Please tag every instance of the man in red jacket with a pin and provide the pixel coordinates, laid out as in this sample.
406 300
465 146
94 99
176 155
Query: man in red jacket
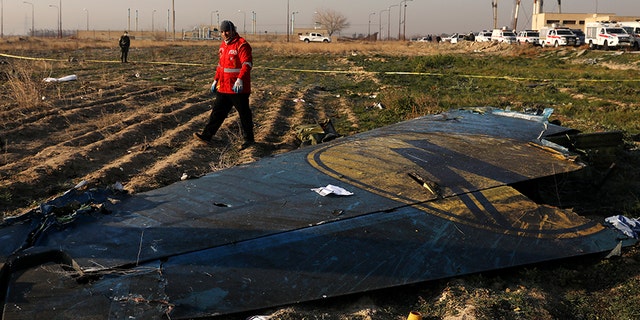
231 85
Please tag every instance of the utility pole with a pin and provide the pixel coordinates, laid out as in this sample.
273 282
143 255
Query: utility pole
515 15
401 21
87 12
369 32
380 23
1 19
253 22
60 19
33 30
173 8
494 5
389 22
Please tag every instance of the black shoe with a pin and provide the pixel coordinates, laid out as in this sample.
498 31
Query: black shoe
246 144
212 140
201 137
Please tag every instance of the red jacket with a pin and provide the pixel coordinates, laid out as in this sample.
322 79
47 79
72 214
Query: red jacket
236 61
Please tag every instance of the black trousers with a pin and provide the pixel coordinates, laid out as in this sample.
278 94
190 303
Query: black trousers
124 54
221 108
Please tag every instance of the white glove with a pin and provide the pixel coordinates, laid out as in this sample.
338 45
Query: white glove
237 87
214 86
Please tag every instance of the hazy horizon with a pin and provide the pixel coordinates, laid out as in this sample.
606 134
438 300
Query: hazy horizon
422 16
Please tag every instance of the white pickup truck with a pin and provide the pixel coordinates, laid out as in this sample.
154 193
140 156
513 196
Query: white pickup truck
314 37
558 36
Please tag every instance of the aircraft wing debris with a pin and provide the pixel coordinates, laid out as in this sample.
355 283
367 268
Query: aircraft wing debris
434 197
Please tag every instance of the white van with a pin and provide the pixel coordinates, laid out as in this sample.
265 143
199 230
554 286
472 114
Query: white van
607 35
503 35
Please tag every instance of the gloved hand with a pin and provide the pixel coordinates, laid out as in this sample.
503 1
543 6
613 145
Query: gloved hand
237 87
214 86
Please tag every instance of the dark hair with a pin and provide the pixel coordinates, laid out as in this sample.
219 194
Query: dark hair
227 25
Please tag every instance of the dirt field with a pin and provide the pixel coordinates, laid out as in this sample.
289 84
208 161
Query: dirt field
133 123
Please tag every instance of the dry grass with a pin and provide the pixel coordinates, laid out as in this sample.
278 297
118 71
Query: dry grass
388 48
112 126
25 86
38 44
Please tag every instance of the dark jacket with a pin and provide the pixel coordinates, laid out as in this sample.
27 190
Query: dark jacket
124 42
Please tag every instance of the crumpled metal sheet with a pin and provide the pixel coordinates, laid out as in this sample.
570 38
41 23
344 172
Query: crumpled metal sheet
433 198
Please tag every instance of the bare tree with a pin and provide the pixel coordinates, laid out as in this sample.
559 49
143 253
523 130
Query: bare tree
331 20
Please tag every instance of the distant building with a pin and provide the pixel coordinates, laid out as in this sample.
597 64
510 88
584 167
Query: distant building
574 20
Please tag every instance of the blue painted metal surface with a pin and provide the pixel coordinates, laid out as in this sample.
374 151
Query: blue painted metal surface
433 198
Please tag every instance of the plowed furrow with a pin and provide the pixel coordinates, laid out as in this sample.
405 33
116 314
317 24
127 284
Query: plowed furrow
87 126
278 116
88 156
59 118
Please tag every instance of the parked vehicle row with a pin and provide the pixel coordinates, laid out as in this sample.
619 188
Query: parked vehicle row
597 35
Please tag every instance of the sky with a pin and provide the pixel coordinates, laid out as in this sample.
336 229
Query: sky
422 16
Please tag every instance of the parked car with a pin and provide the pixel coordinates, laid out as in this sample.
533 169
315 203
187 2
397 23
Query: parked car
503 35
454 38
314 37
528 37
483 36
558 36
580 34
634 32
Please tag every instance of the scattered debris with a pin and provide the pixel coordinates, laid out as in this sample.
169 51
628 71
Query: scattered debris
72 77
581 52
118 186
377 105
431 186
259 318
629 226
331 189
311 134
414 315
615 252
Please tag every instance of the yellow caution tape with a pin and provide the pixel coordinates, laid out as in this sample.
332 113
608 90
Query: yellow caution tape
430 74
100 61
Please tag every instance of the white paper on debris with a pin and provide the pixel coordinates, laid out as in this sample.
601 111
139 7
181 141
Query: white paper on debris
259 318
331 189
629 226
72 77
